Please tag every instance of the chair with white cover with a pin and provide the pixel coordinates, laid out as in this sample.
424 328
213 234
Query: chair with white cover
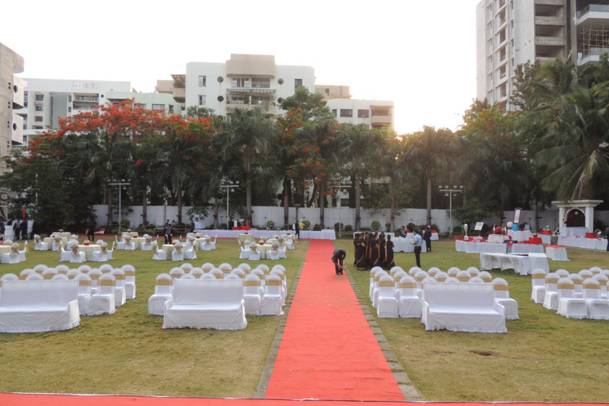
39 244
578 281
485 276
189 251
239 272
34 277
441 277
75 255
84 269
101 255
120 294
103 300
585 273
216 304
49 273
473 272
254 254
62 269
289 243
178 252
57 243
386 302
463 276
130 288
186 267
159 255
106 268
126 243
550 300
15 255
433 271
207 267
39 268
273 253
602 279
244 251
162 293
38 306
246 267
272 299
462 307
9 277
176 273
562 273
538 285
212 243
25 273
598 308
282 251
95 274
375 287
568 305
149 243
225 267
502 297
217 273
372 273
84 293
453 272
409 304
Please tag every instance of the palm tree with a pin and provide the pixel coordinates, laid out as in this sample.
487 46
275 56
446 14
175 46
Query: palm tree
250 132
429 151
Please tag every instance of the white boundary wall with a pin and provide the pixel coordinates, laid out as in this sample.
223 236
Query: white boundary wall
344 215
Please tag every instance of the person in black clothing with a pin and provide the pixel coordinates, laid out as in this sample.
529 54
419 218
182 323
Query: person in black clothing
427 238
167 232
337 259
91 230
23 227
297 229
16 230
380 261
389 263
2 227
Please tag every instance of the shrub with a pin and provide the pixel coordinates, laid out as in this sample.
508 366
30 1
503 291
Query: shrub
306 224
411 227
375 225
338 226
348 227
270 224
317 227
434 227
457 230
388 227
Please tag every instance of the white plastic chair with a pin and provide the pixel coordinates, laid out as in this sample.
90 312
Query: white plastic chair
538 285
550 300
409 304
502 297
271 300
568 305
387 304
103 300
162 293
598 308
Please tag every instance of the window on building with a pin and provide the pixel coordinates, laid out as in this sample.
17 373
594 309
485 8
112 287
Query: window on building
346 113
139 105
39 97
202 80
171 108
297 83
380 112
334 111
159 107
38 107
361 113
25 97
38 119
202 100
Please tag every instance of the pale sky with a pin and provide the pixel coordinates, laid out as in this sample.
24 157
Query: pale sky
420 54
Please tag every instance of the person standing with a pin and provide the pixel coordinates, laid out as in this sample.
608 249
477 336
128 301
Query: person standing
16 230
427 238
91 229
337 258
389 263
297 229
23 227
167 232
418 241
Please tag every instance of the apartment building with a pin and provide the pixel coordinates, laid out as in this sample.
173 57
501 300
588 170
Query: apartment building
242 82
515 32
373 113
11 101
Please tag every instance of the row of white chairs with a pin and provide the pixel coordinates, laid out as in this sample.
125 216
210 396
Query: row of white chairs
72 253
264 288
180 252
580 295
252 253
400 293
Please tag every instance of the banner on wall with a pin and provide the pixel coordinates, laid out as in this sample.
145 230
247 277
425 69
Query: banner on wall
479 226
517 216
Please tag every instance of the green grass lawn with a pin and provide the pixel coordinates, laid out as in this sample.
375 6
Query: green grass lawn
129 353
543 357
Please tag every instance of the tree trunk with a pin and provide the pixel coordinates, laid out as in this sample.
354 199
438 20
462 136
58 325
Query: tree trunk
358 188
286 202
179 204
429 200
392 208
248 199
322 202
145 207
217 215
110 205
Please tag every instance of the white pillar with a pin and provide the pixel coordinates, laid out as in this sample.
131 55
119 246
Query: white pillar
562 227
589 212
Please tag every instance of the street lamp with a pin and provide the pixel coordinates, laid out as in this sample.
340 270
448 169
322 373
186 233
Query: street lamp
229 186
448 191
120 184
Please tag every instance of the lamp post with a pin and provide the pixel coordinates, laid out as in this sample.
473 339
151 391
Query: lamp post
120 184
448 191
229 186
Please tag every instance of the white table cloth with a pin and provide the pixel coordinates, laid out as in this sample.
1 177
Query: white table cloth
476 246
599 244
406 244
527 248
557 253
520 235
5 249
304 234
521 264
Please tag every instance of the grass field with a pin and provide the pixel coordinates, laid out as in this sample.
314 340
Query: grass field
129 353
543 357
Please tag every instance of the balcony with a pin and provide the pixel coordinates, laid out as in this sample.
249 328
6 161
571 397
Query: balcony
591 55
17 129
250 90
549 41
550 20
18 95
593 15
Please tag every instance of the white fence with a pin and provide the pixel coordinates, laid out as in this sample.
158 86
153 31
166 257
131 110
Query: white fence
261 214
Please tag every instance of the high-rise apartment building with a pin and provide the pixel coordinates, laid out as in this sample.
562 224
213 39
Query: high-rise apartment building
515 32
11 101
373 113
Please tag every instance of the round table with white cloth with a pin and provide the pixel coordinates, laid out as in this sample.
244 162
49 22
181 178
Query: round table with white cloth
527 248
168 248
522 264
5 249
406 244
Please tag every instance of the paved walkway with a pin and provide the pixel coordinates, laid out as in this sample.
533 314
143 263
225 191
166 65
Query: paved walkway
328 350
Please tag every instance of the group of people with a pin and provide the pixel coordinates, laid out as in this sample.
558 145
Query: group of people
22 229
373 249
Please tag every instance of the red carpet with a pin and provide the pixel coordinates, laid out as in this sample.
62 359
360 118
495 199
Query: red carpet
328 350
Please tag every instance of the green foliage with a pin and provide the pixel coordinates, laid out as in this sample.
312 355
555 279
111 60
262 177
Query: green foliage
270 225
375 225
306 224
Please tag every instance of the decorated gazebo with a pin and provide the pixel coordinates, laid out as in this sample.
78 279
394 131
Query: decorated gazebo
576 217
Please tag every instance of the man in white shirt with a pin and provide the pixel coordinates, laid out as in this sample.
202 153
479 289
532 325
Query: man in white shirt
418 241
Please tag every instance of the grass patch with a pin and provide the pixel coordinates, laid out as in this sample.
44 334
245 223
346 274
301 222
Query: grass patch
543 357
129 353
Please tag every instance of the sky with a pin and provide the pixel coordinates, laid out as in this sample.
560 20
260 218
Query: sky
420 54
